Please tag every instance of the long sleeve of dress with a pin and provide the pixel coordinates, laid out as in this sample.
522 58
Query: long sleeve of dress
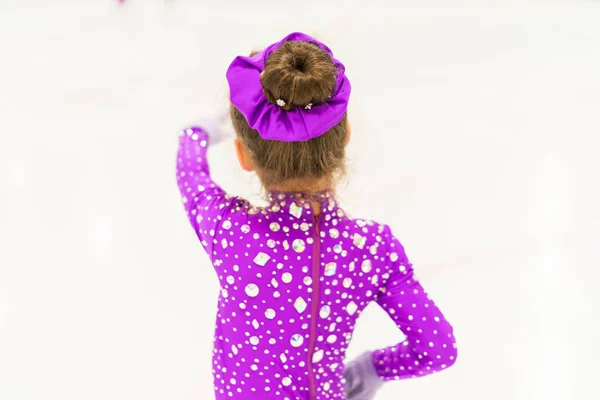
430 345
204 201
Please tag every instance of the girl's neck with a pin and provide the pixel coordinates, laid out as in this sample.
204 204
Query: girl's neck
307 186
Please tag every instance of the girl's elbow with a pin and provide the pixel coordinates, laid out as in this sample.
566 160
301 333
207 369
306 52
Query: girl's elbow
445 359
451 350
450 357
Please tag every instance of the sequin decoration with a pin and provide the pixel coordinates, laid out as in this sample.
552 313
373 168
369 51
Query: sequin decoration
394 257
330 269
297 340
245 229
334 233
337 248
254 340
255 324
300 305
296 210
261 259
298 245
331 339
325 311
286 381
307 280
351 308
347 282
252 290
304 226
366 266
275 227
270 313
227 224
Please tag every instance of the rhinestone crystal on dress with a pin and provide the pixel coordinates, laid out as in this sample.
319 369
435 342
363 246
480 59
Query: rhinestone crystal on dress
297 340
317 356
298 245
295 210
286 277
300 305
261 259
359 240
330 269
366 266
351 308
252 290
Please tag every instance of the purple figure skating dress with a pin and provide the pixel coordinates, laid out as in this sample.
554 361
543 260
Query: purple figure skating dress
293 283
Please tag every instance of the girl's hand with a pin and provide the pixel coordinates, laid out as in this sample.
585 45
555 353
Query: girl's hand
218 128
362 381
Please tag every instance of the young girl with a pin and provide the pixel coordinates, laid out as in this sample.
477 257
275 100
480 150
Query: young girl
296 274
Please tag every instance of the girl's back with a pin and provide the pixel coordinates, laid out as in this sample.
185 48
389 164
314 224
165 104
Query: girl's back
295 275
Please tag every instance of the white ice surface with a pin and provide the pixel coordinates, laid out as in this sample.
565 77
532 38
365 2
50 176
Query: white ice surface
476 135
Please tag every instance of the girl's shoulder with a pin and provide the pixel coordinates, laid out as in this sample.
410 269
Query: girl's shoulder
370 235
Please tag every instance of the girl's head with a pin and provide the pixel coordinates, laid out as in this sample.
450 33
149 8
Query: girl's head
297 75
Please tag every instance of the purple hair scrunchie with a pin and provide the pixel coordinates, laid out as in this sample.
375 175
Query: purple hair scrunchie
271 121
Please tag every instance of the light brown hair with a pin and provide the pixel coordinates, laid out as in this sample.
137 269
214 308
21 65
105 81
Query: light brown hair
298 73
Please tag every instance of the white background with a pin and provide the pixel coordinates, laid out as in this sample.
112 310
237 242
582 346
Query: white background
475 136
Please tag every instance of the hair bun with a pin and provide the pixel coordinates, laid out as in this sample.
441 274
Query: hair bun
298 74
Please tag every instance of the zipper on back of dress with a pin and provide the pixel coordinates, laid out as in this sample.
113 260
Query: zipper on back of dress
316 266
